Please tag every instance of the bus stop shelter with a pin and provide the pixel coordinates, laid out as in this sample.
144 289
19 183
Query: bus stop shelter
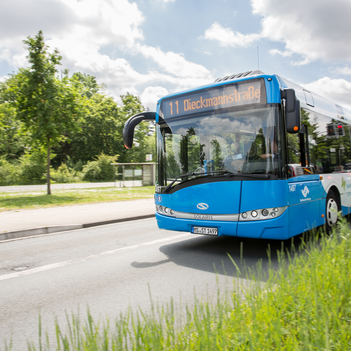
140 174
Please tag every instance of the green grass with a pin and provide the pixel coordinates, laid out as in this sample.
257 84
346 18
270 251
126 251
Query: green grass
304 305
26 200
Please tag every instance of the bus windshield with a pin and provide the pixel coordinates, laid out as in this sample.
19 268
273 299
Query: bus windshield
236 142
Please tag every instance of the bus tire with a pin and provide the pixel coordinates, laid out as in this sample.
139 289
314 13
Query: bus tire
332 208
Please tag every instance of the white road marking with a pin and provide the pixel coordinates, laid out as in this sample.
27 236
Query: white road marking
91 257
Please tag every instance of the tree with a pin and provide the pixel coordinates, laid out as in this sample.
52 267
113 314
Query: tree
98 133
47 107
131 105
12 145
102 129
87 84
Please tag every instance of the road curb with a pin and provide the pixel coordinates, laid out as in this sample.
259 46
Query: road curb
95 224
38 231
62 228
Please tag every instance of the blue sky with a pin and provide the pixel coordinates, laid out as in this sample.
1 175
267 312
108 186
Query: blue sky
154 47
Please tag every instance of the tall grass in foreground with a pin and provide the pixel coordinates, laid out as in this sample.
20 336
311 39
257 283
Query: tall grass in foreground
305 305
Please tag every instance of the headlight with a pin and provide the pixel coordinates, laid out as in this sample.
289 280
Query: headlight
261 214
166 211
265 212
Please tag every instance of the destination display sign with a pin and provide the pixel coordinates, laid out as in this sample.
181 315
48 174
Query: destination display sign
230 95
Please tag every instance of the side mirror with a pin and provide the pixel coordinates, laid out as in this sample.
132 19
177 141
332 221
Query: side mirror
128 130
292 111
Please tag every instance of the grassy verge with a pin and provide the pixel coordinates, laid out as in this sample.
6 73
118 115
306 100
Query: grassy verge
25 200
305 305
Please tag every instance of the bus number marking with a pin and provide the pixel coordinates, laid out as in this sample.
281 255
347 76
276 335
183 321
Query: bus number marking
292 187
171 106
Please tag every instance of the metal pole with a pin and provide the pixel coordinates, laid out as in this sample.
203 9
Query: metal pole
120 182
114 174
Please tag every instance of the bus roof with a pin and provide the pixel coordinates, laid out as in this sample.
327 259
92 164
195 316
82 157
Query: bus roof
308 100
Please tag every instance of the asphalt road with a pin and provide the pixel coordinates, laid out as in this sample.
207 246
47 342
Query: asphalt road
109 268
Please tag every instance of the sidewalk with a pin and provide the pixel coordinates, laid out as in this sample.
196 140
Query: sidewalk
21 223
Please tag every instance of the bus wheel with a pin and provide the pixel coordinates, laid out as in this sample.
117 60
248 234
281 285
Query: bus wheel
331 211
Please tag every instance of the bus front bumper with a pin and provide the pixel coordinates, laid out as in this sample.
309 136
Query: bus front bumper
277 228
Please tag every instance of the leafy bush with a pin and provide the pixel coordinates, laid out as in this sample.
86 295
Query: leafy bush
29 169
100 169
91 171
64 174
8 172
74 166
32 168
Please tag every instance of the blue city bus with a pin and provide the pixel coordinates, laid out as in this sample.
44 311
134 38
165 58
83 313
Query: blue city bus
251 155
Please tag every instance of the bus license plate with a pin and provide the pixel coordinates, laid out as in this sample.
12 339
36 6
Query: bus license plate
205 230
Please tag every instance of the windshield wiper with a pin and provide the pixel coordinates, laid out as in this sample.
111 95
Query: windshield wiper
248 175
224 173
189 175
257 175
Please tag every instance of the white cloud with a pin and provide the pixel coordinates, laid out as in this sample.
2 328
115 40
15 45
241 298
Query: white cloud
343 70
85 33
107 22
150 96
92 24
174 63
282 53
338 90
23 16
312 29
4 78
226 37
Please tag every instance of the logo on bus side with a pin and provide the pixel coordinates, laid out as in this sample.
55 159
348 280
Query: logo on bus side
202 206
305 191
